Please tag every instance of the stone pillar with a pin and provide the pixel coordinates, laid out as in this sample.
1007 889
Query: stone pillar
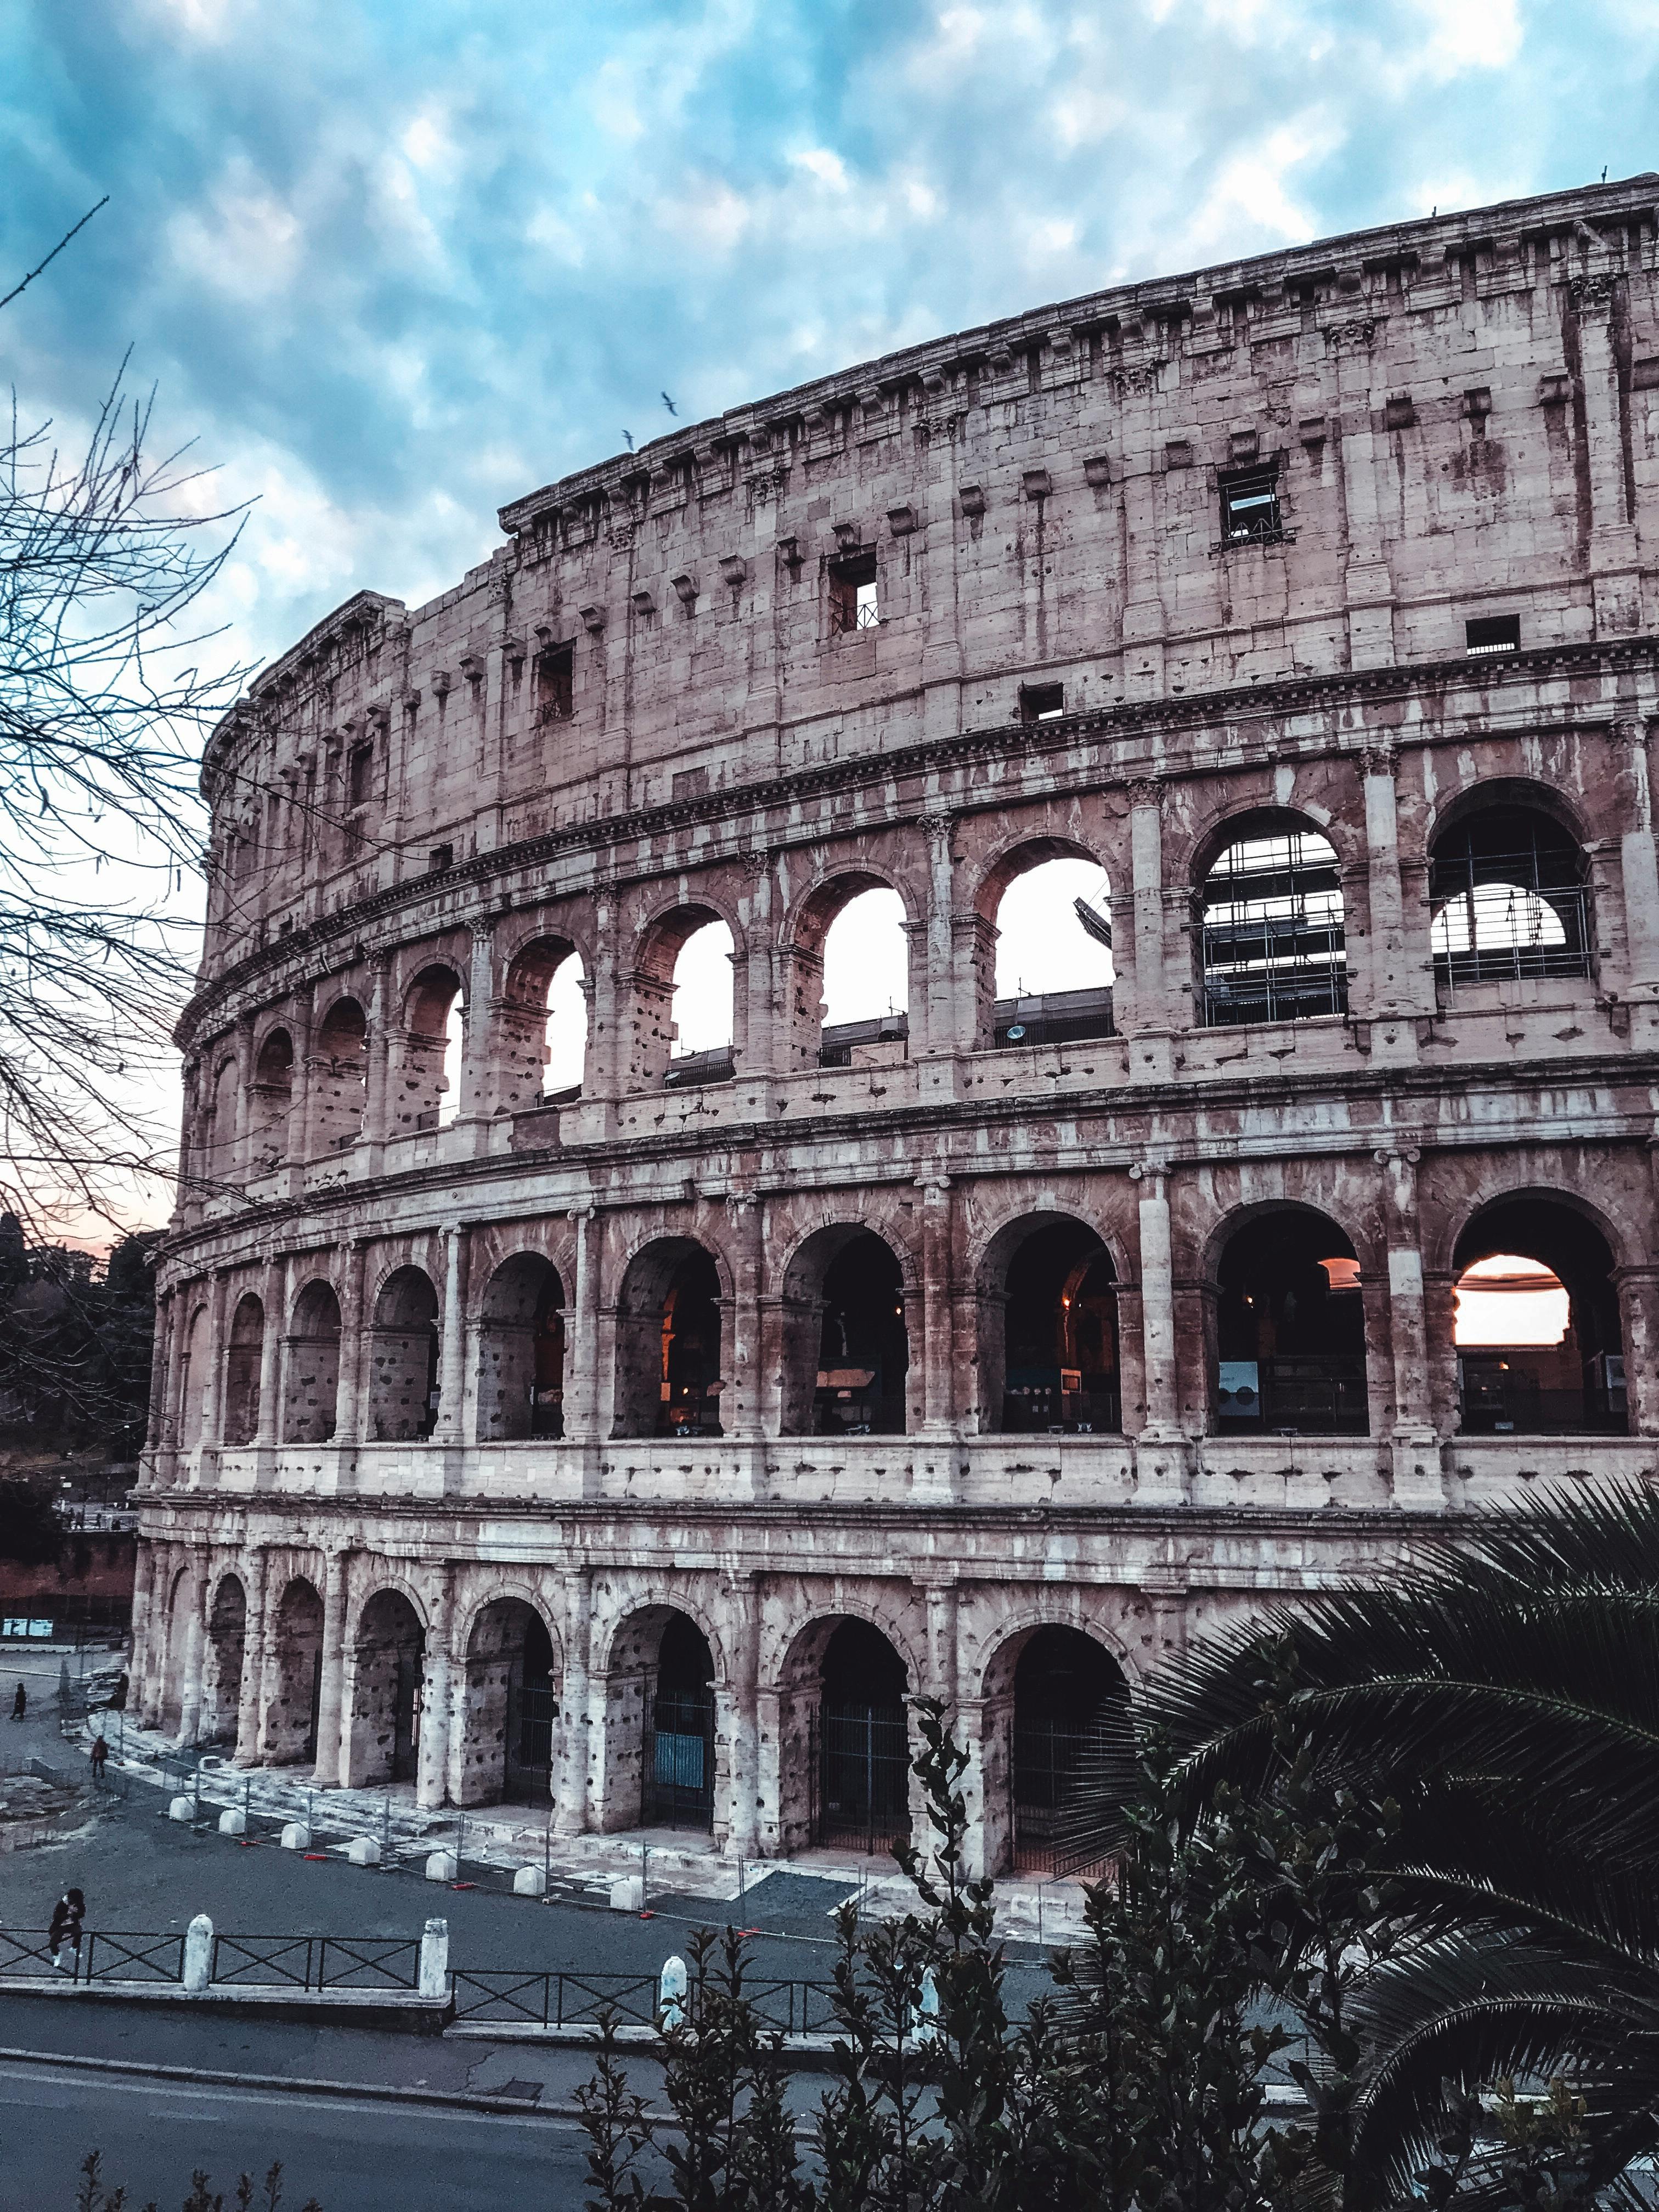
138 1662
1639 862
161 1352
1391 989
451 1352
741 1412
432 1777
273 1296
743 1811
940 1682
331 1715
571 1817
250 1703
581 1387
193 1652
218 1352
1148 1018
1638 1327
151 1682
481 1037
1440 1350
377 1078
946 1024
1159 1449
1417 1473
348 1415
937 1274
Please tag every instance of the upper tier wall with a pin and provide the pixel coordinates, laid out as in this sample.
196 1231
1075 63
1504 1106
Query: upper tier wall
1464 419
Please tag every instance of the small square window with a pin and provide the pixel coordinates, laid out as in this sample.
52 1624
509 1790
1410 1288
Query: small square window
556 670
1042 702
440 858
1493 634
853 592
1250 508
362 775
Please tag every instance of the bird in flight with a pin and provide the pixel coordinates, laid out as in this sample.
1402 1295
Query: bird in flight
628 439
670 405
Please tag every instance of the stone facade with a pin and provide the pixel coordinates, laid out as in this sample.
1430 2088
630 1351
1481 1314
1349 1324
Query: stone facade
1333 559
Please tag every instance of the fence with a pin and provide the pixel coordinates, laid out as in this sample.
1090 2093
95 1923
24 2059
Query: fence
563 1999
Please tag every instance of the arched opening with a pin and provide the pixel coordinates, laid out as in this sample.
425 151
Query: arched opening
512 1704
701 1007
1291 1330
1049 1345
521 1353
222 1668
242 1361
338 1078
386 1691
1510 898
1539 1346
542 1025
659 1723
1063 1682
434 1040
668 1343
296 1686
193 1382
1273 948
862 1767
272 1100
846 1350
311 1383
1054 951
866 954
403 1360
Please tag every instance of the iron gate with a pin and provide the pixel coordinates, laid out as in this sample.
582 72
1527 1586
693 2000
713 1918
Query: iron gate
863 1772
1048 1747
679 1758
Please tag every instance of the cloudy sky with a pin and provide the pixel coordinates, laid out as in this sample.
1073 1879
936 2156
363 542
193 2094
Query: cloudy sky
391 263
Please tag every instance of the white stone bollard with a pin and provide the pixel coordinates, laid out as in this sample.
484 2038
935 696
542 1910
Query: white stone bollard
530 1881
364 1851
233 1821
628 1893
199 1956
670 1994
924 2028
182 1808
433 1978
442 1866
296 1836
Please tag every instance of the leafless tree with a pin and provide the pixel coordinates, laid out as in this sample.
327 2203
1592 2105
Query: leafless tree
105 702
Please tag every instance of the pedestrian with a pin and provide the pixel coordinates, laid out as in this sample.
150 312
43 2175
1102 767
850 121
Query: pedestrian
64 1933
99 1761
19 1703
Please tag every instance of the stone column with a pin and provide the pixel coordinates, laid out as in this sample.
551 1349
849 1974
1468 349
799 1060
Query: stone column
250 1704
741 1411
940 1682
946 1025
1417 1473
479 1076
377 1083
195 1647
938 1379
432 1778
1392 990
138 1662
1638 863
452 1354
1159 1449
1148 1020
153 1680
571 1818
159 1355
348 1415
331 1717
581 1389
742 1812
1639 1325
213 1392
273 1295
767 1008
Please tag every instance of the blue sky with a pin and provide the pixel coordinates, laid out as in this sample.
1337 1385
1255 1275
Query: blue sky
393 265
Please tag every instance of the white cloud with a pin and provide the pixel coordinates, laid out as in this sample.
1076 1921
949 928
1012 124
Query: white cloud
1467 34
828 168
243 241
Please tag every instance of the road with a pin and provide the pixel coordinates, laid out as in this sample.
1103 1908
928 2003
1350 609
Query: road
353 2157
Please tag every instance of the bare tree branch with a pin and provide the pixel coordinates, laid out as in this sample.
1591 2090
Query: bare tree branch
53 255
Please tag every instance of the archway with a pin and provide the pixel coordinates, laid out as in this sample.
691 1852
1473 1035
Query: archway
1048 1351
521 1351
701 1007
223 1661
864 956
659 1723
386 1691
433 1045
1273 942
847 1351
294 1689
1537 1329
542 1024
861 1770
1046 1692
271 1101
1509 897
338 1078
311 1383
668 1343
1054 973
403 1358
242 1360
511 1708
1290 1328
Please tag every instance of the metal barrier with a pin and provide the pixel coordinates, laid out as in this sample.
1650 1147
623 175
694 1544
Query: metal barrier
315 1962
115 1957
20 1955
555 2000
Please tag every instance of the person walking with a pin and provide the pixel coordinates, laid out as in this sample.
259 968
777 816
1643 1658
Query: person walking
19 1703
63 1933
100 1761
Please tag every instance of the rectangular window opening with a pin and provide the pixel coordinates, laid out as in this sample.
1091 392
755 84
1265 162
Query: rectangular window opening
1250 508
556 684
440 858
853 602
362 775
1493 634
1042 702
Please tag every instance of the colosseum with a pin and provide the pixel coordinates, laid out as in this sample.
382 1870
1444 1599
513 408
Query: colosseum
555 1405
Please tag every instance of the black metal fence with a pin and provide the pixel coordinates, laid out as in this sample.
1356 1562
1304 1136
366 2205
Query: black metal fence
315 1962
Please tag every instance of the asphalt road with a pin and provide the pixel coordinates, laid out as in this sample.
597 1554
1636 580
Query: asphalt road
353 2157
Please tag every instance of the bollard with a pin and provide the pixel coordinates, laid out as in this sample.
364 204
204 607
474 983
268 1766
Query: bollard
628 1893
530 1881
233 1821
925 2027
671 1995
433 1980
364 1850
180 1808
296 1836
199 1956
442 1866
